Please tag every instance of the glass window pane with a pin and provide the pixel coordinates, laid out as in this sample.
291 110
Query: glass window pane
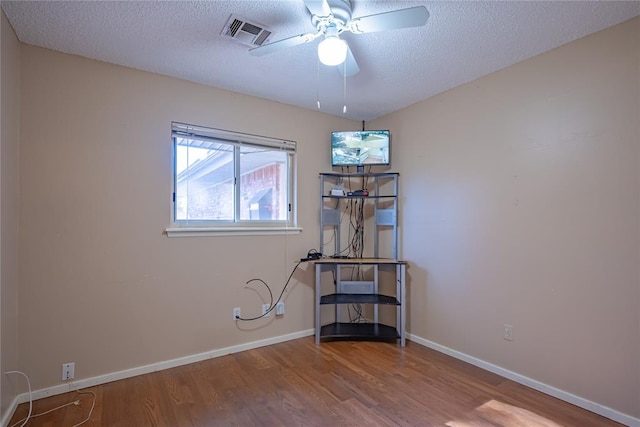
263 184
204 180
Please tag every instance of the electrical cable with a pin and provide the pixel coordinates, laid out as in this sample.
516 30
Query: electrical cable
93 405
26 420
360 318
76 402
357 274
328 242
355 227
272 305
357 224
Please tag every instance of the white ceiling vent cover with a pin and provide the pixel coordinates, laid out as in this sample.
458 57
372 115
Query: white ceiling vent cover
245 31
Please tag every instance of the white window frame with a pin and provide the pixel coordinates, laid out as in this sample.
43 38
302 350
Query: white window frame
191 228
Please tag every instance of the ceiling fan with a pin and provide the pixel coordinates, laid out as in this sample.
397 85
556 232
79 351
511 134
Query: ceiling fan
331 18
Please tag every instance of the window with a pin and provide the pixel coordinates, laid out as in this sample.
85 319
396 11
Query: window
228 182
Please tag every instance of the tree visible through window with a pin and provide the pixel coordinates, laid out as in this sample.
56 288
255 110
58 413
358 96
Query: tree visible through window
231 177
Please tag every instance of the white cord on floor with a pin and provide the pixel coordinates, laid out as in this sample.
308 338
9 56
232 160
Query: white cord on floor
93 405
76 402
26 420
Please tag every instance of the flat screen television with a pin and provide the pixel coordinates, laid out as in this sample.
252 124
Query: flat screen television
361 148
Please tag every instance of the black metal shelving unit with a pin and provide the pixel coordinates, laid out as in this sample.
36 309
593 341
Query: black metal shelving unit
362 290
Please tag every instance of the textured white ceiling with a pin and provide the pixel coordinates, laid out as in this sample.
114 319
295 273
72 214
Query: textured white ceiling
461 42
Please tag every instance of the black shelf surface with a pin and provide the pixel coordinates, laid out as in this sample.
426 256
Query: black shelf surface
359 331
358 299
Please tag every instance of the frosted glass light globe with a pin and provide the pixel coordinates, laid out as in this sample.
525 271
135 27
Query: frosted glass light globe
332 50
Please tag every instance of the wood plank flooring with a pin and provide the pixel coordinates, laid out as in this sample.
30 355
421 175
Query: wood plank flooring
297 383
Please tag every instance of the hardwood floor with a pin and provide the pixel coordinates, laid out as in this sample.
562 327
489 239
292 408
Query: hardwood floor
334 384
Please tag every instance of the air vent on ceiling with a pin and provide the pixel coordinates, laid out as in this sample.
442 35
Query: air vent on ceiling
245 31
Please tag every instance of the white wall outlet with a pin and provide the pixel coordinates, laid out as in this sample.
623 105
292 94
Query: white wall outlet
280 309
508 332
265 310
236 314
68 371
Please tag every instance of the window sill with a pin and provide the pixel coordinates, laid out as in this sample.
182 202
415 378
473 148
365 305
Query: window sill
230 231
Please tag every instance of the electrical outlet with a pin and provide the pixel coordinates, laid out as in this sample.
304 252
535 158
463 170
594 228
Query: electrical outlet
280 309
265 310
68 371
236 314
508 332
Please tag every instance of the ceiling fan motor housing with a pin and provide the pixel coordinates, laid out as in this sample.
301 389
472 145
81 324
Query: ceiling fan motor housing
340 15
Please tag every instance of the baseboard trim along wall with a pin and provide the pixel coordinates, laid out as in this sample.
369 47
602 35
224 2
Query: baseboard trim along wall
537 385
12 409
154 367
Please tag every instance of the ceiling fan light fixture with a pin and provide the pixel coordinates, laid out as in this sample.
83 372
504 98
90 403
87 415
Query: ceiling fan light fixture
332 50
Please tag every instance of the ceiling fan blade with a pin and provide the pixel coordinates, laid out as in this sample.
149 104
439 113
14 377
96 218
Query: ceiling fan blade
318 7
284 43
403 18
350 66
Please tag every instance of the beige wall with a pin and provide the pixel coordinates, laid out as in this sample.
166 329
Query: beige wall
101 285
520 205
9 161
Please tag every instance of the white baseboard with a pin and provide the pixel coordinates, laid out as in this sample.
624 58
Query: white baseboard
12 409
154 367
537 385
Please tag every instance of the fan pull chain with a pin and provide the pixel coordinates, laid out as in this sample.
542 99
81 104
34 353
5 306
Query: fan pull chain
318 83
344 88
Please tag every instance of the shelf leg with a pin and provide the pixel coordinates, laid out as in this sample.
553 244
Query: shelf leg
318 269
402 315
